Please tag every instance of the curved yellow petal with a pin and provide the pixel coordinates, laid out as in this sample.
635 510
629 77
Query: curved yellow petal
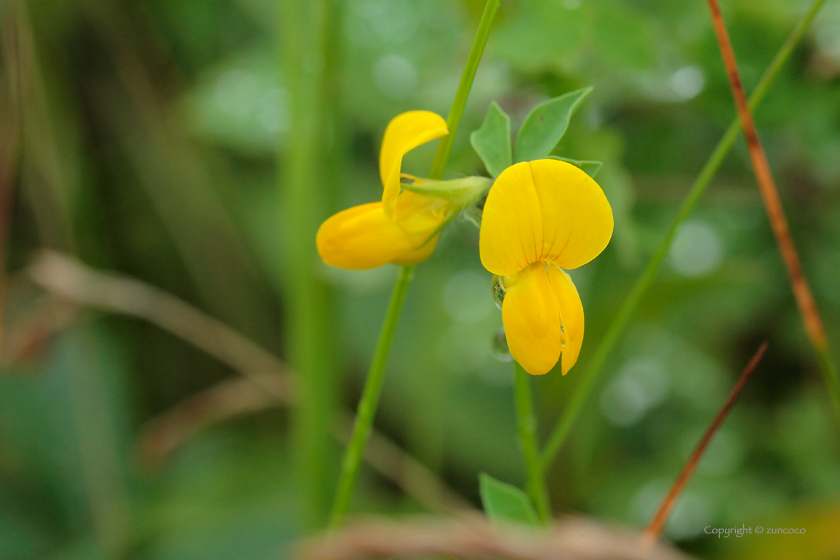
404 133
531 316
544 210
571 316
363 237
577 216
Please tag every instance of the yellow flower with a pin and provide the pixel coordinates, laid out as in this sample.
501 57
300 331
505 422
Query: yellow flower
405 226
541 216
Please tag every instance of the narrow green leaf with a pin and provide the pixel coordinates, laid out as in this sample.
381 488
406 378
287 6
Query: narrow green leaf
492 140
591 168
504 503
546 124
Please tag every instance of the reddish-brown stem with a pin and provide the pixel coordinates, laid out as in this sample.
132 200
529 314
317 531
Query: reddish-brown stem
801 291
656 526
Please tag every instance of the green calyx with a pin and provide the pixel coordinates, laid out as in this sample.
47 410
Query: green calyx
462 192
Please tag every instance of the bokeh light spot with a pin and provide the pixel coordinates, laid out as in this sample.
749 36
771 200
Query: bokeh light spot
697 249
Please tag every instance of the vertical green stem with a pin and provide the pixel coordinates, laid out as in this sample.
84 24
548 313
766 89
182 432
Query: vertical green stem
584 388
526 423
375 377
304 180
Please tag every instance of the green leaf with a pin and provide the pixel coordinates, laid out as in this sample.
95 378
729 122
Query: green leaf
591 168
546 124
492 140
505 503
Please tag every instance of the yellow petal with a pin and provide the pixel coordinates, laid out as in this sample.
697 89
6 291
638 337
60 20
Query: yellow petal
363 237
421 216
511 223
577 216
404 133
418 255
544 210
543 318
571 314
531 316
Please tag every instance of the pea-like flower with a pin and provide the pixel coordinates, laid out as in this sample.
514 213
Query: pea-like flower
405 226
540 217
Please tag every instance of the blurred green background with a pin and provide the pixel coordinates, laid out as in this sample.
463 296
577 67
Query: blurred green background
142 137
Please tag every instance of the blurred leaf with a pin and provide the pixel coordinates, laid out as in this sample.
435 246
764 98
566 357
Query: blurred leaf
540 35
67 427
84 548
21 535
228 494
546 124
504 503
579 37
623 36
591 168
492 140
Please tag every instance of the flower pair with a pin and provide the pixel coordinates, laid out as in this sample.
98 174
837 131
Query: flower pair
539 217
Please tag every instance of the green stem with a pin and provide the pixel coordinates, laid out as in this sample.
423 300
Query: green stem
526 423
594 368
464 86
375 377
370 399
305 182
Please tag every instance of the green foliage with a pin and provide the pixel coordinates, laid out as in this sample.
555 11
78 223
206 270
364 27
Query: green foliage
492 141
546 124
504 503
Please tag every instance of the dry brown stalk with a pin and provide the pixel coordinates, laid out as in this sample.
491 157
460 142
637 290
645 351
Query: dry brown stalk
266 384
772 203
473 537
654 530
166 433
67 277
